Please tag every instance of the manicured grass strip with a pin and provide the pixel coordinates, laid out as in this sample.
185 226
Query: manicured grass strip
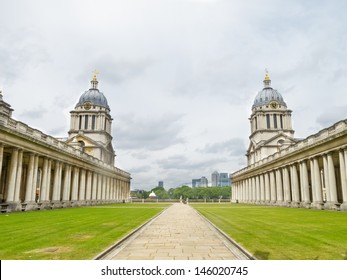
73 233
282 233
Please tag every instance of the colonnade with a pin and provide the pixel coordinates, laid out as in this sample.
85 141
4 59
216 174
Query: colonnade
316 181
31 180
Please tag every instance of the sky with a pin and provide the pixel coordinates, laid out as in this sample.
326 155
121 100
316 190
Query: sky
180 76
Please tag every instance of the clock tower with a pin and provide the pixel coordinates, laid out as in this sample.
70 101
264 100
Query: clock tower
271 124
90 125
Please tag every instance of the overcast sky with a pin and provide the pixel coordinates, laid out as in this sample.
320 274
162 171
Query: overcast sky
180 76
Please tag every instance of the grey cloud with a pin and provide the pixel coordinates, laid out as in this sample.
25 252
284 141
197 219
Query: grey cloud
331 116
181 162
116 70
58 131
232 147
140 155
152 134
21 50
33 114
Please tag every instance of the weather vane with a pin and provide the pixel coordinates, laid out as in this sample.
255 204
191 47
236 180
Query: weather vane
96 72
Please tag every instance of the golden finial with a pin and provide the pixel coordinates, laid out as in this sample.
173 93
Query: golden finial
267 78
96 72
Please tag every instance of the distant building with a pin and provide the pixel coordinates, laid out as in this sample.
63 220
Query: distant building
195 183
203 182
161 184
215 179
224 180
220 179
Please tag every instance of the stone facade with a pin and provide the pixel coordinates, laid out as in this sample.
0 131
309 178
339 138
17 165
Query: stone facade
310 173
38 171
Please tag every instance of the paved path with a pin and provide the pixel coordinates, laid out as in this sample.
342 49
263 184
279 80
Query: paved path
179 233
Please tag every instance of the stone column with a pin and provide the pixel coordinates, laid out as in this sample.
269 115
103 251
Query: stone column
279 187
117 191
286 186
43 187
75 179
257 183
35 173
316 185
57 181
326 178
99 194
67 185
107 195
295 186
103 191
12 176
250 190
30 177
267 188
1 157
305 185
272 187
47 198
89 186
82 186
331 187
95 186
18 177
262 188
246 191
343 173
239 187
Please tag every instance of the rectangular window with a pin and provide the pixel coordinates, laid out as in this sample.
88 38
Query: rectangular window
267 120
275 121
281 121
93 122
256 123
80 123
86 122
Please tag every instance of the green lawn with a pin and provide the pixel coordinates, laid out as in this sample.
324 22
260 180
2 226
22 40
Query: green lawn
72 233
282 233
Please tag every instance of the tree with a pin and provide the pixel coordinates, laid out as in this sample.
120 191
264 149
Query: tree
160 192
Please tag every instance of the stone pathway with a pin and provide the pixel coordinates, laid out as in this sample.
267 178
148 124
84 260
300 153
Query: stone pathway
179 233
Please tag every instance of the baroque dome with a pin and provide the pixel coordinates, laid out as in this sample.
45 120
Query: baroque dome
268 94
93 96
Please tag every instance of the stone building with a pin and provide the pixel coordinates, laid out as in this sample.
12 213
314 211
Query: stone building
285 171
38 171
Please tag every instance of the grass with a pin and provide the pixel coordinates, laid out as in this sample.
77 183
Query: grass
282 233
68 234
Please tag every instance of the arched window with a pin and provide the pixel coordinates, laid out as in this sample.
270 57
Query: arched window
80 122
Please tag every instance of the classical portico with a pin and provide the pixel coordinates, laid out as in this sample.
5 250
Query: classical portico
38 171
310 173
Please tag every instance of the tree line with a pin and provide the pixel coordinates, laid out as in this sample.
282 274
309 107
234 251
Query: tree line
185 192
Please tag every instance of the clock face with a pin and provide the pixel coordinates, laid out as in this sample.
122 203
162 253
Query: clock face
87 105
274 105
